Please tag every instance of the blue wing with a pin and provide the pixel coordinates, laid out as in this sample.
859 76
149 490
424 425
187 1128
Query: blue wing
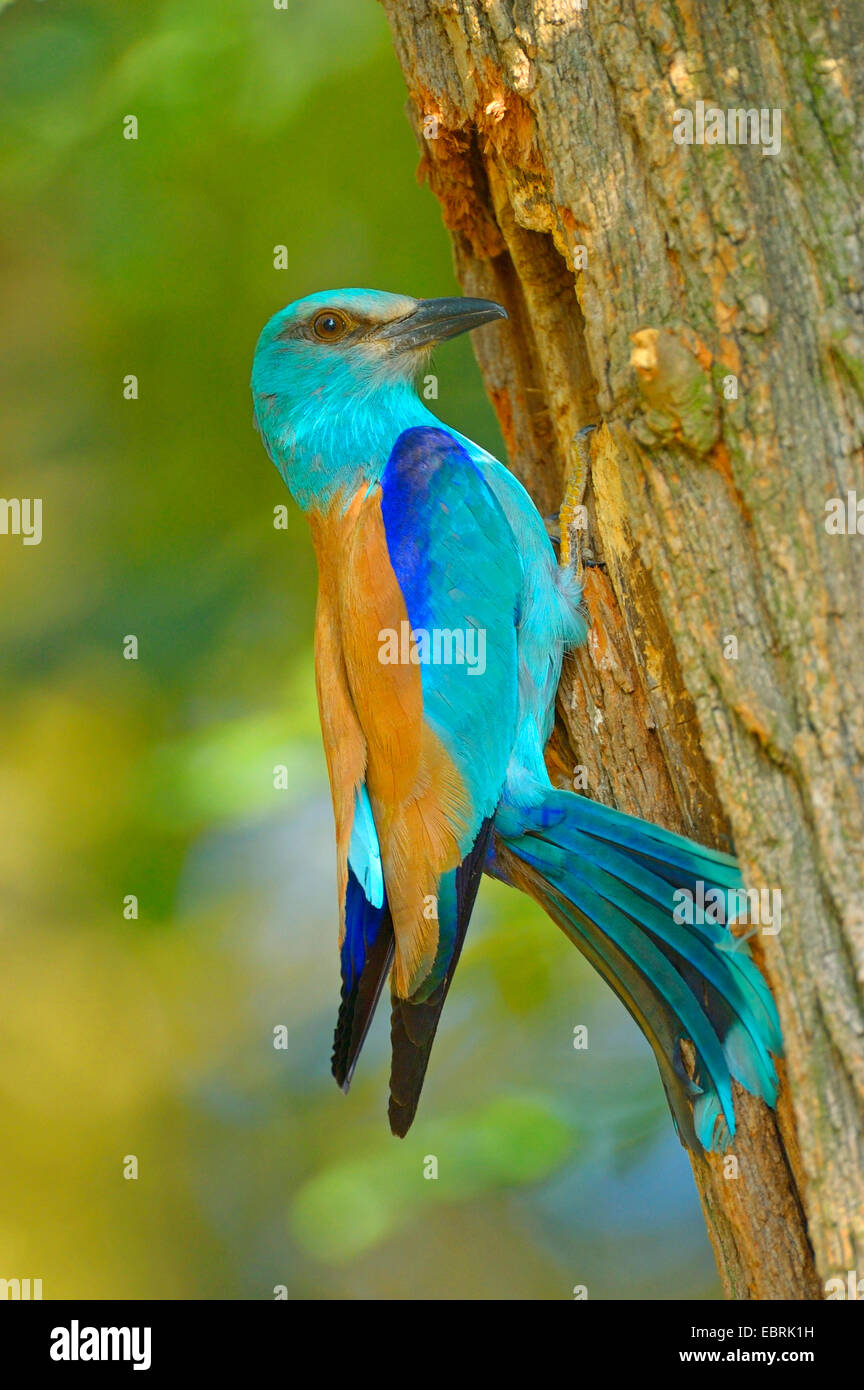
457 567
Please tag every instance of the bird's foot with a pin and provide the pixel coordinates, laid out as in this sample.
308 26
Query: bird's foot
576 550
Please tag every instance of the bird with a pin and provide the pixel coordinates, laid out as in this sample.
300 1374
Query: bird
442 621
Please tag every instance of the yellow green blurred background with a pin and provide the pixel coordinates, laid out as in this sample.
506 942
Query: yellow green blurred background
154 1036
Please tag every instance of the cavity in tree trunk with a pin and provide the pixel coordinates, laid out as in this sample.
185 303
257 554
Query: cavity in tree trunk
701 303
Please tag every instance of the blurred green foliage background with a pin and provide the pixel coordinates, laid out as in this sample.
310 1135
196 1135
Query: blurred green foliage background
154 1037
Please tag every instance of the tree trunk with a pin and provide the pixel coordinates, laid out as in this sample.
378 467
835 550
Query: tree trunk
647 282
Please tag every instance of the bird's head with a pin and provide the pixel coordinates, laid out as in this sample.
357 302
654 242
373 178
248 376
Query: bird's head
334 374
357 340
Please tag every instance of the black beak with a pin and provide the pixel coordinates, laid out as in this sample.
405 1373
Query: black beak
435 320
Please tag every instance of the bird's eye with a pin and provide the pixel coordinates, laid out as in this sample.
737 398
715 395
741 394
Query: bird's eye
329 326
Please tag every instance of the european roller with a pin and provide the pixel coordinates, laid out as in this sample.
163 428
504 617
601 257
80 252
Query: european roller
442 620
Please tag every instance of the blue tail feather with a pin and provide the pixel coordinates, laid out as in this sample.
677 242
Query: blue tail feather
612 882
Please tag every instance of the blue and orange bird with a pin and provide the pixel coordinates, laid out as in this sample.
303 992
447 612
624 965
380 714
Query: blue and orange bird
436 760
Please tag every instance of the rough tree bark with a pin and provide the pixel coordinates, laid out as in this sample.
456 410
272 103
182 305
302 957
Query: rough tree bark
546 126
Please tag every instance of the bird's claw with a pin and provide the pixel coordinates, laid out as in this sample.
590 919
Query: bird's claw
576 550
